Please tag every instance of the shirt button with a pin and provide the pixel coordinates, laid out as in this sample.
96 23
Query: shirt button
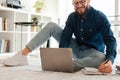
82 38
90 30
81 29
81 20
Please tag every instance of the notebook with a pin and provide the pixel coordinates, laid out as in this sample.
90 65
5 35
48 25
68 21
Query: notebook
56 59
92 71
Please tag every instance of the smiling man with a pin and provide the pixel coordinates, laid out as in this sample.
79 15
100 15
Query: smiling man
92 30
93 46
81 6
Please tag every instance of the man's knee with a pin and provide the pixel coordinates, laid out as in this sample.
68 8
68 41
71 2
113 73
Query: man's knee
52 24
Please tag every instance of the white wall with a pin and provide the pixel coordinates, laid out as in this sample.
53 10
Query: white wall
52 9
65 7
106 8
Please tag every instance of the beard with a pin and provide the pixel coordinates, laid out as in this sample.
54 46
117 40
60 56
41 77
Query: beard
81 11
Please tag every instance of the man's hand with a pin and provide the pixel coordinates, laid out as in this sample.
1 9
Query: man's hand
106 67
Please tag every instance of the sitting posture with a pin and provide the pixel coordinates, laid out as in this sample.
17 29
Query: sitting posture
93 44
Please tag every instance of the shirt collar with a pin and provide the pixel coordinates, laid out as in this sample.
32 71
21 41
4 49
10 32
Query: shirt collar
88 11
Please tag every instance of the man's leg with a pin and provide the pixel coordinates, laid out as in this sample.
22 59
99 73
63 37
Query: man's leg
51 29
85 57
93 59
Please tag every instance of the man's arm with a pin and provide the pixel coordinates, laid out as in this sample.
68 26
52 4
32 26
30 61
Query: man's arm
108 38
66 34
110 43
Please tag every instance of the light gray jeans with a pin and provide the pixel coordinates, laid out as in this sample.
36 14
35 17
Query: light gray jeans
82 56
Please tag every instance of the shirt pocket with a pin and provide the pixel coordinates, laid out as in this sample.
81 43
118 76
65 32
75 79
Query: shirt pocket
90 31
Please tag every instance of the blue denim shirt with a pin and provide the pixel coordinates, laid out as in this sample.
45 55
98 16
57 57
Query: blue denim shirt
93 30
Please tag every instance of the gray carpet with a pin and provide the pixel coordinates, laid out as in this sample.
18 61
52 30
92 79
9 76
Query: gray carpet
34 72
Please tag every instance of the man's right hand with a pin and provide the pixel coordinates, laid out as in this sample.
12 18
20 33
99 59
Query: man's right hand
106 67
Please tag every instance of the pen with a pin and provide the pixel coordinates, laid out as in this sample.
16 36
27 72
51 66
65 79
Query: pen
106 61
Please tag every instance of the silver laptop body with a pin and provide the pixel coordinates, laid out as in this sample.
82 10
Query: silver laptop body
56 59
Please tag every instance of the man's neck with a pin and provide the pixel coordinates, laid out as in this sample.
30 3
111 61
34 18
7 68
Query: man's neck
84 14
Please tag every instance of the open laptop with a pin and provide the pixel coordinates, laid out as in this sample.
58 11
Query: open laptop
56 59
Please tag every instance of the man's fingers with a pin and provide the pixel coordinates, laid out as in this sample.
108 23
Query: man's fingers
103 64
106 69
103 68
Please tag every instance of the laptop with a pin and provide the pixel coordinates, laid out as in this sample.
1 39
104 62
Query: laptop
56 59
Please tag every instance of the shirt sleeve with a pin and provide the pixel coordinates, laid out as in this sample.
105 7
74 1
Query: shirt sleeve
109 39
66 34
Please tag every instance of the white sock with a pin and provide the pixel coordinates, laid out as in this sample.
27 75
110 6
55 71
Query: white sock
16 60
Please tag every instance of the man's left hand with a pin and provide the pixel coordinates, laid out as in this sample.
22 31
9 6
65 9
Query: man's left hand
105 67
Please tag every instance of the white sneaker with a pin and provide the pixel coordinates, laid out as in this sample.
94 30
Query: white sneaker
16 60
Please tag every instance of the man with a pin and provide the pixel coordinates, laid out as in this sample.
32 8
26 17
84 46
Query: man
92 34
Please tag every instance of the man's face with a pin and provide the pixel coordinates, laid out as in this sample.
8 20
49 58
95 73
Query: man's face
81 5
